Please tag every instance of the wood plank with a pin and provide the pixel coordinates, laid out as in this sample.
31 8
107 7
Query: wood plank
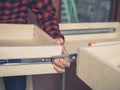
72 26
75 41
80 26
29 52
39 44
16 31
26 41
30 69
96 66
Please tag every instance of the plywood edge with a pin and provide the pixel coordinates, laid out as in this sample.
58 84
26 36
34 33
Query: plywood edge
94 37
6 25
28 69
72 26
95 25
29 52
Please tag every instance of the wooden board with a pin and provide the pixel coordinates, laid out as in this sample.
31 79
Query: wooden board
21 41
30 69
29 52
79 40
90 37
83 40
98 66
32 42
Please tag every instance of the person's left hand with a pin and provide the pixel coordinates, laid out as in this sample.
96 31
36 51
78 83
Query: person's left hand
60 64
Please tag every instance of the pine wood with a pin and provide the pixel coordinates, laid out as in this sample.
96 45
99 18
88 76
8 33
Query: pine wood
32 42
88 70
21 41
75 41
72 41
99 66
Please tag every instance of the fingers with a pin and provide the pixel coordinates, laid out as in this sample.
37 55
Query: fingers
60 64
64 62
64 51
58 69
59 41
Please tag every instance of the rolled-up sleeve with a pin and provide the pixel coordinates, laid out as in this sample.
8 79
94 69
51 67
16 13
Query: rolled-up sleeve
45 13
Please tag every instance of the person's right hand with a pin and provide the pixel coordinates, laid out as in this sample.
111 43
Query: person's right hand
60 64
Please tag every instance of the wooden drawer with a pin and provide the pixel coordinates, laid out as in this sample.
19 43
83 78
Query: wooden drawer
99 66
19 41
97 52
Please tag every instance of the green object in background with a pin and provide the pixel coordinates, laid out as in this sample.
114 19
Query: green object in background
69 11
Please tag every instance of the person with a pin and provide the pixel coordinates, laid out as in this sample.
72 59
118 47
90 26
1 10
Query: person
16 11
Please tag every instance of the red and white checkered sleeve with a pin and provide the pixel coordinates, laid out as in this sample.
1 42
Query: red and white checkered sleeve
46 17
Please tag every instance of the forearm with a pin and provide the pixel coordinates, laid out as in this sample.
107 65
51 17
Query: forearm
46 17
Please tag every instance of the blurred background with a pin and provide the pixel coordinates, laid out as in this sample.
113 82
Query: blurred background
73 11
90 10
85 10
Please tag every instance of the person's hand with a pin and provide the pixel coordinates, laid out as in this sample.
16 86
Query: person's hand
60 64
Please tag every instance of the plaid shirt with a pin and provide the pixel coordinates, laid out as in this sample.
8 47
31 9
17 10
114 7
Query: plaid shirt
16 11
